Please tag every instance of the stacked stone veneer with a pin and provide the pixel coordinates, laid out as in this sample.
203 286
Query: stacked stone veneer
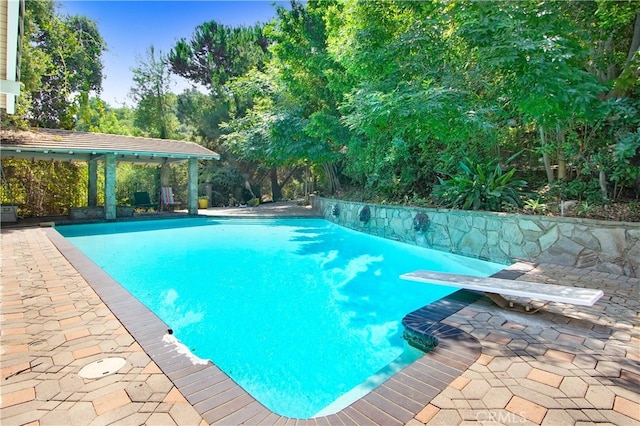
97 212
503 238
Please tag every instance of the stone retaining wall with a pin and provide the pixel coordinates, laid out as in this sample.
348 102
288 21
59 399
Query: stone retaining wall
500 237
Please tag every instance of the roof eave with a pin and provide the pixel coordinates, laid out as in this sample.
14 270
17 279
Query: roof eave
87 154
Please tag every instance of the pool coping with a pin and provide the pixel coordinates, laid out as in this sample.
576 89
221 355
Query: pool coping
217 398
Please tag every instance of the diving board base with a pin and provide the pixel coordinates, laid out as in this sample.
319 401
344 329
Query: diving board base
507 304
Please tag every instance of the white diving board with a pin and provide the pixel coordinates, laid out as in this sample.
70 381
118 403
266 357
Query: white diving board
498 286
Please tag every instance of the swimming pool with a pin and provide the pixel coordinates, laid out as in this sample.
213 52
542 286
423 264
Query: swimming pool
305 315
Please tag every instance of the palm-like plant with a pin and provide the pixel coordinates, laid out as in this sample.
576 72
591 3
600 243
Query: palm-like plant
480 187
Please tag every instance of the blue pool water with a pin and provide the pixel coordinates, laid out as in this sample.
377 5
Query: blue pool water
305 315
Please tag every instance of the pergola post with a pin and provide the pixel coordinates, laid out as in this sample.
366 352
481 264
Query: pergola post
93 183
165 173
192 204
110 187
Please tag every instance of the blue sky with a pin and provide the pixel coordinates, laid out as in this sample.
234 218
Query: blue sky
130 27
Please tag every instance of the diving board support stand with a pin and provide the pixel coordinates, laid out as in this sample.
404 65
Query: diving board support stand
495 288
507 304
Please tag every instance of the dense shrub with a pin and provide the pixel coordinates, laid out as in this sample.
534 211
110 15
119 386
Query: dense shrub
480 187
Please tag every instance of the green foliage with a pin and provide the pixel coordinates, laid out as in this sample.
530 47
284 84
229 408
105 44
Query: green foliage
624 156
413 98
378 96
399 131
301 59
202 115
388 92
227 181
535 206
254 135
61 63
480 187
133 178
291 117
584 208
217 53
274 130
584 189
96 116
155 113
41 188
616 22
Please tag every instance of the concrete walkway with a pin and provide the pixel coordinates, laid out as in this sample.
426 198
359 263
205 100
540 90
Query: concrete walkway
277 209
564 365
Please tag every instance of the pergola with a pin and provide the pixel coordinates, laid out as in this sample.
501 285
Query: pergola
65 145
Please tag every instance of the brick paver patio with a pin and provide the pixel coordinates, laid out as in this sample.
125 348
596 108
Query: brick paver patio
564 365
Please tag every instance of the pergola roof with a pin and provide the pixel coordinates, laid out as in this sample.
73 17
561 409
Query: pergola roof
83 146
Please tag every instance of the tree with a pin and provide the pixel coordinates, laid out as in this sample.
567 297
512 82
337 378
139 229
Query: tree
314 83
202 114
435 81
61 64
248 136
214 56
97 116
614 30
558 66
416 95
538 60
217 53
155 111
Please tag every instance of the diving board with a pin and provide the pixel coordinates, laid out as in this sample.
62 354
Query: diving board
494 287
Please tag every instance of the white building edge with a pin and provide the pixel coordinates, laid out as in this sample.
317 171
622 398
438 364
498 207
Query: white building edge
11 25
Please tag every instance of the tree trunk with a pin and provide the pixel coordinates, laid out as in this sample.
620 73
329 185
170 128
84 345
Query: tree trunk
247 186
602 178
635 41
331 173
562 164
276 189
545 155
289 176
306 184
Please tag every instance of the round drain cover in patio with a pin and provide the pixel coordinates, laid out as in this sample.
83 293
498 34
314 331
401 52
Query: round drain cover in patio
101 368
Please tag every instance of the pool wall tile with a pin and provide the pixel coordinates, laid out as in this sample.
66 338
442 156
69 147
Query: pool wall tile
219 399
